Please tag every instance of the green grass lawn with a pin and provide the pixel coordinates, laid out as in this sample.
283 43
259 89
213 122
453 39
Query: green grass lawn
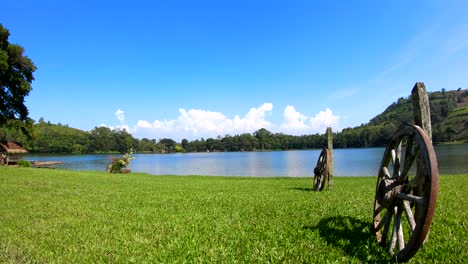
87 217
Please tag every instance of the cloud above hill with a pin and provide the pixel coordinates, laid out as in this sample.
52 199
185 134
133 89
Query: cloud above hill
197 123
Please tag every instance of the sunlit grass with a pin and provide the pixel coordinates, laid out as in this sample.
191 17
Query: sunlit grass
86 217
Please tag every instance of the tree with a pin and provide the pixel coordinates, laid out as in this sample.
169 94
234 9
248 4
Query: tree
184 143
16 75
264 138
103 140
210 142
124 141
167 144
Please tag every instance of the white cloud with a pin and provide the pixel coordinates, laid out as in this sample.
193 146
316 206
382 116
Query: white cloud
324 119
293 121
196 123
296 123
120 115
144 124
200 121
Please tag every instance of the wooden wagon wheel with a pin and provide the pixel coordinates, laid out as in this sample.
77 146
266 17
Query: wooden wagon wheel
406 193
321 170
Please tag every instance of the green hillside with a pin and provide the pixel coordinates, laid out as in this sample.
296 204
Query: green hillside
449 115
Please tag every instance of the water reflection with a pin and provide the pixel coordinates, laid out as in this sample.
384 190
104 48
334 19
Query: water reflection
347 162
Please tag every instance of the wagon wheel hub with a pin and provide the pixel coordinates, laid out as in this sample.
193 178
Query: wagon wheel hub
387 192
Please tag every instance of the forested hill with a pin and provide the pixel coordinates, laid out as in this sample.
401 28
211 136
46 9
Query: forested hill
449 114
449 117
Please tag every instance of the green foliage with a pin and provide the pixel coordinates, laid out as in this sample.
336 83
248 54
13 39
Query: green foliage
23 163
167 145
16 75
448 117
118 165
58 216
178 148
50 138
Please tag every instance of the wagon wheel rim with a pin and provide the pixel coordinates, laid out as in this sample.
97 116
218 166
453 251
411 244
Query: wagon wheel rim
321 170
406 193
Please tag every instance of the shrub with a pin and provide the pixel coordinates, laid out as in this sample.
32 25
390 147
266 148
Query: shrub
118 165
23 163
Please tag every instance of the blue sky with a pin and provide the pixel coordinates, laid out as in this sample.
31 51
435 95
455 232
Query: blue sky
192 69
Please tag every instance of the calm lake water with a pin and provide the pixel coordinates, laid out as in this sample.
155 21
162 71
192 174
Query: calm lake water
452 159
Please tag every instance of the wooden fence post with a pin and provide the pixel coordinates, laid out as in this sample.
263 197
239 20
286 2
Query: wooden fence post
422 115
421 108
330 148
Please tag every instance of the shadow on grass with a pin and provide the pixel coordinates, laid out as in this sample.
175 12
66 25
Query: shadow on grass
351 235
304 189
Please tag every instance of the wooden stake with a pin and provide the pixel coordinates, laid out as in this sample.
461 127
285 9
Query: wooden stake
330 148
421 108
422 114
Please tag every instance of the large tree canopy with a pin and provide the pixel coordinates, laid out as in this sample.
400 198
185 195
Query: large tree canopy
16 75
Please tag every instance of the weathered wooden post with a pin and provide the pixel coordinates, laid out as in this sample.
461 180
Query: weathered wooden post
422 115
421 108
330 148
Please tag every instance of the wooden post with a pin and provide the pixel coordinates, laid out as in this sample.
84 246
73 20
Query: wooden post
330 148
421 108
422 115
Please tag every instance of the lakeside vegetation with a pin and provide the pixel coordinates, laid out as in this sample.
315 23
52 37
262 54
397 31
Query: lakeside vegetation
59 216
449 114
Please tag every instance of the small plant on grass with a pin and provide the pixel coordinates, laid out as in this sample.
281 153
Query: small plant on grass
119 165
23 163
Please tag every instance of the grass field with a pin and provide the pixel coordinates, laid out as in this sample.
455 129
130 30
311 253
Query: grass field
59 216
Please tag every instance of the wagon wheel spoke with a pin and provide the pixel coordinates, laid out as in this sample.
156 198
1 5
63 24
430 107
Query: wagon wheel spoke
386 173
397 233
411 198
378 209
410 156
382 222
393 238
418 180
396 157
409 216
400 236
405 199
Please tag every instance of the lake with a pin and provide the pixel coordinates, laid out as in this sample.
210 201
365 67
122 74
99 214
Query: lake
452 159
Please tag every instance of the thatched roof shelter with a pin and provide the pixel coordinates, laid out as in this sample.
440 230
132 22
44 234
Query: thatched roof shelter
11 147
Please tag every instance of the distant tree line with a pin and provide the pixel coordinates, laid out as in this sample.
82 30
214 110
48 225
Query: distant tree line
449 114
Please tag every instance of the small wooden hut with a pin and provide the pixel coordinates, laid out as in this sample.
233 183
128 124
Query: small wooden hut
10 152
